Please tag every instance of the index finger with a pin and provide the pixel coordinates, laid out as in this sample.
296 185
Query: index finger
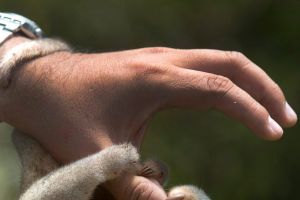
245 74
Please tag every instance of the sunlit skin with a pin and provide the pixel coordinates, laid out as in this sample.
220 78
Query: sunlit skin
76 104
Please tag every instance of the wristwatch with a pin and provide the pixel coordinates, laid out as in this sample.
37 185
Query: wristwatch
11 23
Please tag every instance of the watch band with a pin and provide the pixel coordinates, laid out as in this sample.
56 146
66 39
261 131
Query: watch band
11 23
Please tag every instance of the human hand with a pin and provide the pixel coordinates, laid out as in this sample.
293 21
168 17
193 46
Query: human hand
77 104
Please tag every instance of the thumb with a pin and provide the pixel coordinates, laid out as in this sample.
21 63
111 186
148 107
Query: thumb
131 187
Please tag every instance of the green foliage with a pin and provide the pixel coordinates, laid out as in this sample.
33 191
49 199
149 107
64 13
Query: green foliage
206 149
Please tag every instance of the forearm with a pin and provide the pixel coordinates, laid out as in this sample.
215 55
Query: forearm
40 102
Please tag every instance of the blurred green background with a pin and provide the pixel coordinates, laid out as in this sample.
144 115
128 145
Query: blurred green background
206 149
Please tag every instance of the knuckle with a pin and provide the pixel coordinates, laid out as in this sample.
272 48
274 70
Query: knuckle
141 191
149 72
236 58
258 111
219 84
255 108
270 91
157 50
235 55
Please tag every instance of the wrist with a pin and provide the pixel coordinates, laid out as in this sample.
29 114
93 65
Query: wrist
24 52
17 101
11 43
24 61
4 48
38 103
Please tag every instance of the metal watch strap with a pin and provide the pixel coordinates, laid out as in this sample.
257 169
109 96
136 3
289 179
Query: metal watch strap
11 23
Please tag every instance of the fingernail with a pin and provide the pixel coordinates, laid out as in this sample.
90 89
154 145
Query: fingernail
290 113
275 127
176 197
